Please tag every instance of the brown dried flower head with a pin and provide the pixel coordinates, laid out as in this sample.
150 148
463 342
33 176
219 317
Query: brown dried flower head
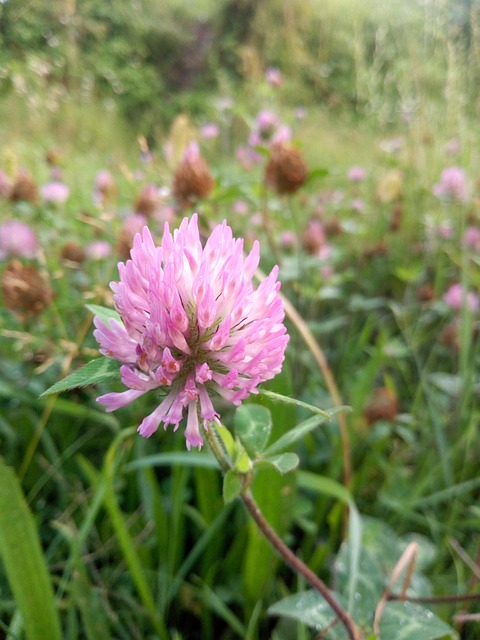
53 157
148 201
73 254
192 178
24 189
286 171
383 405
25 293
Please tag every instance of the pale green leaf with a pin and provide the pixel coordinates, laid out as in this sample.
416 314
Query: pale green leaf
285 462
409 621
104 313
307 607
232 485
253 425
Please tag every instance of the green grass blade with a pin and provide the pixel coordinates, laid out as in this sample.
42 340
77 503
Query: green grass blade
124 537
24 562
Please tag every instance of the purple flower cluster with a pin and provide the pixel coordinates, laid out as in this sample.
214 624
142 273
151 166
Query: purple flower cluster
193 326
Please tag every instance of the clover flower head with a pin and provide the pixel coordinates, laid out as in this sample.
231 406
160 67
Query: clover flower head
452 184
192 326
456 297
17 239
55 192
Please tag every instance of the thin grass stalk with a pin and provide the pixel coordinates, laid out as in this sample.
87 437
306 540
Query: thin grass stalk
328 376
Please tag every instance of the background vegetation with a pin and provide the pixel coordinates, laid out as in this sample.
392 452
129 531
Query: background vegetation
134 535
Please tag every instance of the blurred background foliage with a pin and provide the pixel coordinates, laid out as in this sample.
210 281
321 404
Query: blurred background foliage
370 58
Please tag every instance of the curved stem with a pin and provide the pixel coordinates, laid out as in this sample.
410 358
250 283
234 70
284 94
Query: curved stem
277 543
297 565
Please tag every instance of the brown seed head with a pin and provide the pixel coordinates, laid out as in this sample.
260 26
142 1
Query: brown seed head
24 291
147 201
192 179
286 170
24 189
73 254
383 405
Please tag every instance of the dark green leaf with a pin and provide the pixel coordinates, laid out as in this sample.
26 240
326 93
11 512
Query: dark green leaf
98 370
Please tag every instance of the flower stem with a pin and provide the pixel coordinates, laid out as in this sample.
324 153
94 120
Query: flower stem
297 565
277 543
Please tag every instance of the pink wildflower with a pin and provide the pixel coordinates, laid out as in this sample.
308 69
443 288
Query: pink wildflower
267 121
452 184
357 174
471 239
55 192
455 298
209 130
17 239
274 77
98 250
193 325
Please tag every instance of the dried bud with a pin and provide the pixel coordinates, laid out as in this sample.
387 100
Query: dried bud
73 254
383 405
53 157
425 293
313 237
450 336
192 178
24 189
286 170
376 251
148 201
24 290
396 217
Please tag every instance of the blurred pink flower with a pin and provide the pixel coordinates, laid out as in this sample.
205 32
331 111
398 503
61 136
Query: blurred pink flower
274 77
248 157
454 297
105 186
267 121
134 223
282 134
240 207
288 239
300 113
445 230
452 184
98 250
193 326
209 130
358 205
357 174
17 239
453 147
471 239
55 192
